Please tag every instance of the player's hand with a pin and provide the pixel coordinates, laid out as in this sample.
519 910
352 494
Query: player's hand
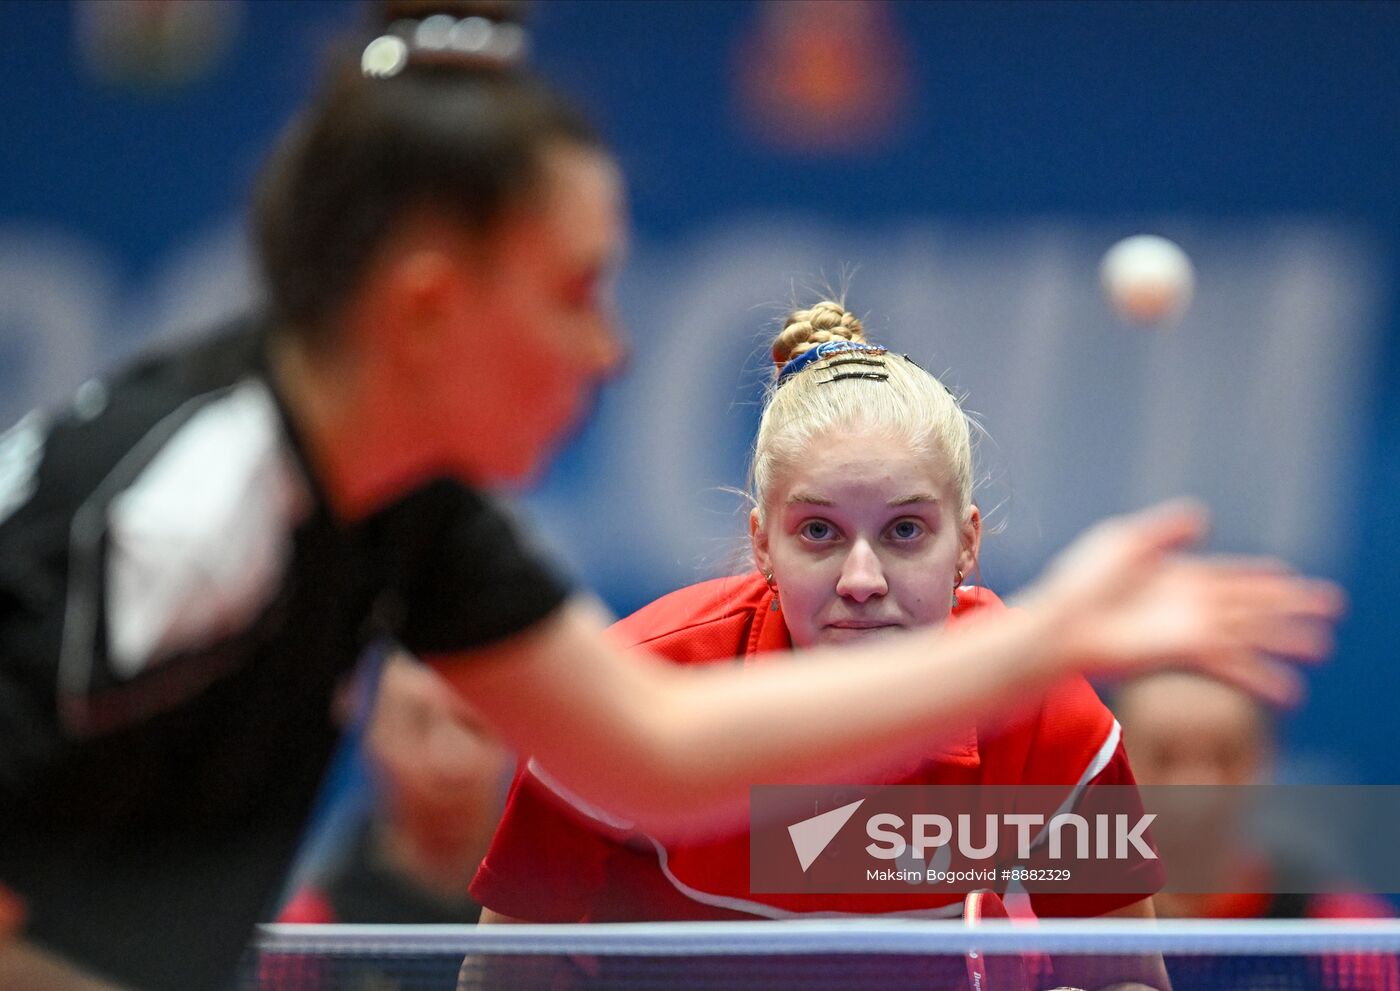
1125 598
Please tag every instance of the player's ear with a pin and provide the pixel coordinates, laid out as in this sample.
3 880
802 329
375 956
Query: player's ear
971 540
423 287
758 538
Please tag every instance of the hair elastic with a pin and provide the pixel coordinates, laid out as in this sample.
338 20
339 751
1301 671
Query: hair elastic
442 36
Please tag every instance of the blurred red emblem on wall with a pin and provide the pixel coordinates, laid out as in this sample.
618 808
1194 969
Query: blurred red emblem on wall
154 43
823 75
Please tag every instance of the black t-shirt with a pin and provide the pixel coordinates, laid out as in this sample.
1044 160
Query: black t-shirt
177 604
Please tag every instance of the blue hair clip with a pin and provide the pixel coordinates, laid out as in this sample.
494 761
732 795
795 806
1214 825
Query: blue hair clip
823 351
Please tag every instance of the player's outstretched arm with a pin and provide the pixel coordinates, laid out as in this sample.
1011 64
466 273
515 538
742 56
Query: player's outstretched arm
659 744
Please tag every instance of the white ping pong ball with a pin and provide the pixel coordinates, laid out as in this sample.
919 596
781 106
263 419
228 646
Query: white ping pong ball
1147 279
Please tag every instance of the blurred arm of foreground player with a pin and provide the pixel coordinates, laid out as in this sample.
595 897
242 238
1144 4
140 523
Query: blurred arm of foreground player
667 746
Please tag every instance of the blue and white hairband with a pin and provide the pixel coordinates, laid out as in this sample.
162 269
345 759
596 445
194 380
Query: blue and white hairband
829 349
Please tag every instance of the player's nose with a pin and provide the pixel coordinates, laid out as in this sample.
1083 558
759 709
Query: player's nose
862 576
606 351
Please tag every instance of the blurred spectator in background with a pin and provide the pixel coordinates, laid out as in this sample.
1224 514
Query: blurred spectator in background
1183 729
439 781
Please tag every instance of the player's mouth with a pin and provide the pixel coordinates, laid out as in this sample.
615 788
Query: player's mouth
851 629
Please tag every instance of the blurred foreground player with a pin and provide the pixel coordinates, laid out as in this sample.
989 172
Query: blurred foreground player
197 550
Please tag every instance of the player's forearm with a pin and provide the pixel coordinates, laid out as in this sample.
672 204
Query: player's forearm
657 744
838 715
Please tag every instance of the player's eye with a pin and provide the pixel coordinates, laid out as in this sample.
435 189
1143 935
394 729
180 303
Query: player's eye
817 530
906 529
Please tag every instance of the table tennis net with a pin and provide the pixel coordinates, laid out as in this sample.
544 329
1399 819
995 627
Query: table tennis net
825 955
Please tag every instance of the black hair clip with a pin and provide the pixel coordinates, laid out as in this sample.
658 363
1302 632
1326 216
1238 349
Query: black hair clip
872 376
940 381
853 361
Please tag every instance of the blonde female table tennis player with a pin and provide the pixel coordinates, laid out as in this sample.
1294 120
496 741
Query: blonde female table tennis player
196 550
863 528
